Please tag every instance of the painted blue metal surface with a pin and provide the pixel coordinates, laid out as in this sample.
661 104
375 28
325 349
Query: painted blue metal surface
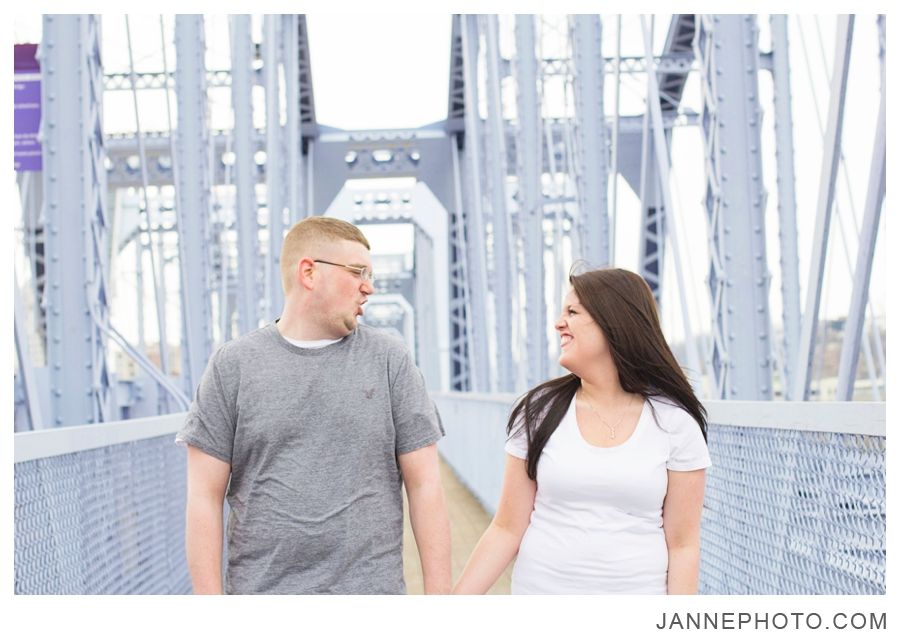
246 213
740 355
193 188
530 200
592 148
76 220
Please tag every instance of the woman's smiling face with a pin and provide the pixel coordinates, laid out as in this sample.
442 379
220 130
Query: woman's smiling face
581 341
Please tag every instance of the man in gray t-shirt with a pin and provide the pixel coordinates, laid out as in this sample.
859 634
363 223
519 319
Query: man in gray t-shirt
311 423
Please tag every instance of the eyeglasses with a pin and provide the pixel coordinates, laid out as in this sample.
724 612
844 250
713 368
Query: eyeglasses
363 271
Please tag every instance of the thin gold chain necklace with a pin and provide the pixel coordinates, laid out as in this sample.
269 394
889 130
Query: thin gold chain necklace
612 429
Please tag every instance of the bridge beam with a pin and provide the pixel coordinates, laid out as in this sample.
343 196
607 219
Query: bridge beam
193 198
246 212
740 352
529 166
76 220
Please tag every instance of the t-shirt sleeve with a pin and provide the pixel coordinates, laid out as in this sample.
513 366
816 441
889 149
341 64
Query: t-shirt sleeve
687 448
416 420
210 422
517 441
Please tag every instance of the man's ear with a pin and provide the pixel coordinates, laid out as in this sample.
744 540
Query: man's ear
306 272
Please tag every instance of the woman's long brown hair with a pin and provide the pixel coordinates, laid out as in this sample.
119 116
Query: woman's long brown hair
623 306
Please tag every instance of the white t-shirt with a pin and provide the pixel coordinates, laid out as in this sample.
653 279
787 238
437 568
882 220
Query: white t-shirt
596 527
312 343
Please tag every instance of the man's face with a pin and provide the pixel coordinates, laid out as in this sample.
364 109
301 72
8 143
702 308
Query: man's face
342 293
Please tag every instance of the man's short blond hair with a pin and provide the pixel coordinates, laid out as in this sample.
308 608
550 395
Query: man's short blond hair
313 233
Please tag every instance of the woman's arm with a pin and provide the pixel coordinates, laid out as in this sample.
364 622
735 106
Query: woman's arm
500 542
682 509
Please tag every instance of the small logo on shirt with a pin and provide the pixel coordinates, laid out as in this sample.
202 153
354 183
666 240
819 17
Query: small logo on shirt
370 393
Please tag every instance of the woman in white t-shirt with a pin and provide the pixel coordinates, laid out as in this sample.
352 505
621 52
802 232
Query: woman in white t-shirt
603 486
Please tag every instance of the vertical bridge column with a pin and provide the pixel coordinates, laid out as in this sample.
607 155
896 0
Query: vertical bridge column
474 228
246 213
529 165
593 166
787 201
75 208
274 166
291 38
738 278
495 158
193 197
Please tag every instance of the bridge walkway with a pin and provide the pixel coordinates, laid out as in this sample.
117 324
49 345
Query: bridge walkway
468 520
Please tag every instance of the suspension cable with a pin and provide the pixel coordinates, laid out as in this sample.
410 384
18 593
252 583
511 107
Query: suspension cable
867 348
160 311
853 216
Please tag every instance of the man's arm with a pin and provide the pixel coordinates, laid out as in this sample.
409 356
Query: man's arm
682 511
428 515
207 481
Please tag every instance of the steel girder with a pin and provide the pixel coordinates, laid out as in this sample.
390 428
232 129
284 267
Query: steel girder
293 163
274 167
529 166
26 370
307 102
670 80
245 177
652 241
456 100
662 165
676 61
31 188
787 201
159 80
475 227
726 47
460 327
123 171
193 190
76 243
495 160
431 156
592 166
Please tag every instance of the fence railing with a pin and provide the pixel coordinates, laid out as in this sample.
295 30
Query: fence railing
795 498
99 509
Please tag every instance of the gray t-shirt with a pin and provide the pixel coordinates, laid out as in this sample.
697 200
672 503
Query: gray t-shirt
312 436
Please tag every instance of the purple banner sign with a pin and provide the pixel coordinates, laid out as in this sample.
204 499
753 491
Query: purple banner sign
27 109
